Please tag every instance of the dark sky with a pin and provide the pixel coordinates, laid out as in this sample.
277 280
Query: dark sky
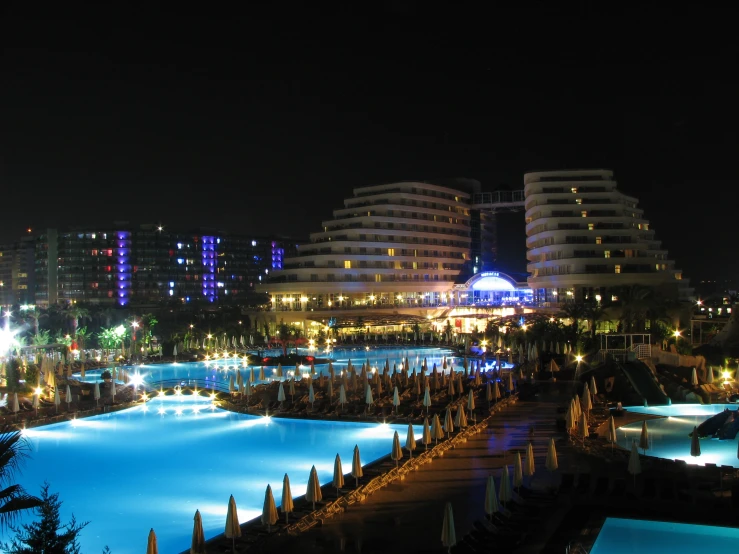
263 121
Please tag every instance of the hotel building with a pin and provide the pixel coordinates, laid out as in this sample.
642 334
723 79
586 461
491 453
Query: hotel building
126 265
408 247
584 238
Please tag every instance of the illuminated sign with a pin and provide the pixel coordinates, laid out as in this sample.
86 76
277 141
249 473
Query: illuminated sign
490 274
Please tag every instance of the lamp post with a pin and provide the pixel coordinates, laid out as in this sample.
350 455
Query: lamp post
135 325
676 334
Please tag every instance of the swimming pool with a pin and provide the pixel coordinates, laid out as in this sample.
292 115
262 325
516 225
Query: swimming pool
220 370
668 436
652 537
155 464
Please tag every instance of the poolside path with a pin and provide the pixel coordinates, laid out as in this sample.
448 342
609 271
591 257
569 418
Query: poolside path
406 516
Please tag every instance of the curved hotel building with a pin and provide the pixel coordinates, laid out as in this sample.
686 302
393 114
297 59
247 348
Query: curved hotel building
584 237
410 246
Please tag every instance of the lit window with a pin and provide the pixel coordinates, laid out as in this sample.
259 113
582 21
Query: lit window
617 269
171 292
607 253
253 243
578 201
347 264
171 284
391 251
574 190
591 226
584 213
598 240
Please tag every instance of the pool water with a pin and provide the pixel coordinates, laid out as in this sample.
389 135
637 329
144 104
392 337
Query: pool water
654 537
219 371
668 436
155 464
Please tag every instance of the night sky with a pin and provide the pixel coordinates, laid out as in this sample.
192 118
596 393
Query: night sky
263 122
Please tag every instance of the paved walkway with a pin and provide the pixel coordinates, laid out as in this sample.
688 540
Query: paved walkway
406 516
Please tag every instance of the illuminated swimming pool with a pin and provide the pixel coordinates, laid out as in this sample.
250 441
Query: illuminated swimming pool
220 371
653 537
154 465
668 436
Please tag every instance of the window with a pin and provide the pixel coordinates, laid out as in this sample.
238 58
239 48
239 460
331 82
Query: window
347 264
598 240
391 251
607 254
584 213
617 269
591 226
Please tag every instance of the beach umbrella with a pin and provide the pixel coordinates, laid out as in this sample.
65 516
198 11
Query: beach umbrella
644 437
551 463
436 430
68 397
460 420
252 379
585 400
695 445
197 544
396 399
269 509
35 403
593 388
448 534
709 376
529 467
491 498
281 393
261 374
342 395
694 378
634 467
427 399
96 392
231 384
426 439
368 396
151 543
451 390
471 402
517 471
311 395
279 370
14 406
396 453
505 494
510 382
82 372
233 528
287 506
410 440
338 481
577 406
313 492
356 466
292 389
582 427
58 400
611 431
448 422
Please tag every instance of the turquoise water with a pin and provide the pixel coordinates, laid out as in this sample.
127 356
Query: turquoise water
654 537
668 436
155 464
221 369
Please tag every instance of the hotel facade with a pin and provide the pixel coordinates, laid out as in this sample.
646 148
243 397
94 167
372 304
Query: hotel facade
125 265
429 250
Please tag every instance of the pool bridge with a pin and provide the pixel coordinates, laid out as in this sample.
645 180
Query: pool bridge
186 384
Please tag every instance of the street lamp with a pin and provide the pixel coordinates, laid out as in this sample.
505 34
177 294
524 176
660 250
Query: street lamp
676 334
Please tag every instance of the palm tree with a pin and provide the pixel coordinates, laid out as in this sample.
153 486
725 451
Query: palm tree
634 302
77 314
576 311
13 498
595 313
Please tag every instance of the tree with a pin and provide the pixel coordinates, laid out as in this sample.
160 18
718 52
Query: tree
576 311
13 498
77 314
48 535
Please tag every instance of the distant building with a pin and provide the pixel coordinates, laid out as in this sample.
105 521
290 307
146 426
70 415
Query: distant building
584 238
17 272
122 265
